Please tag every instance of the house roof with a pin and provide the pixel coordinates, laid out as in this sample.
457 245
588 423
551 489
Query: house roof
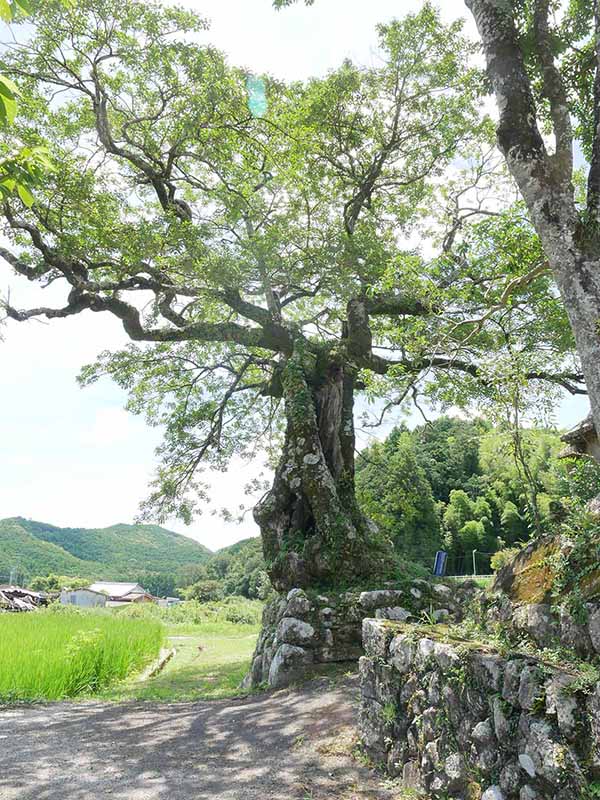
581 431
115 589
83 589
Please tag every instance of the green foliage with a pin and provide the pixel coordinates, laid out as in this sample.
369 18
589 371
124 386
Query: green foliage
503 557
394 492
55 654
579 479
233 610
204 591
118 552
482 503
54 583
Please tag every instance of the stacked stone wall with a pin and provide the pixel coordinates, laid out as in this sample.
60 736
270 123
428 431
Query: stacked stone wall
301 630
458 720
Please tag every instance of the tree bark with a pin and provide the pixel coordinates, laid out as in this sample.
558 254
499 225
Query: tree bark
313 531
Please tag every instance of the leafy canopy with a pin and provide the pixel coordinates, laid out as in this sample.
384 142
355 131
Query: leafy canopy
225 236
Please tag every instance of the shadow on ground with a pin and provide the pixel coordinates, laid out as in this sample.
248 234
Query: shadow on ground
281 745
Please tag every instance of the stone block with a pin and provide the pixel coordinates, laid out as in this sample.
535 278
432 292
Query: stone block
288 665
294 631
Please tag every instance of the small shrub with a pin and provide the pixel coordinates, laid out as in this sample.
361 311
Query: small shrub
237 610
503 557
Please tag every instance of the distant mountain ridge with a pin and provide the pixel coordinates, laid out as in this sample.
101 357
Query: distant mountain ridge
113 553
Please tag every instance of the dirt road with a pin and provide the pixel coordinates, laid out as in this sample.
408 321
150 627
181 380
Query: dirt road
286 745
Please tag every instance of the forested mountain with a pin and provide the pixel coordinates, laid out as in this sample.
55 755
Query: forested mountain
120 551
462 486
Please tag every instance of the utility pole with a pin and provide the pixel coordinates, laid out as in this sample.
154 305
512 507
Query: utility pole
474 563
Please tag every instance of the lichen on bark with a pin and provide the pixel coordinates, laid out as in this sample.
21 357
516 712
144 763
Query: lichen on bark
313 530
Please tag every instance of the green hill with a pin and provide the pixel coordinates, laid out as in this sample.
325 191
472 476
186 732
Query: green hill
113 553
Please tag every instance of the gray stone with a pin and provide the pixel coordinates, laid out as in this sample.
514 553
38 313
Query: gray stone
375 637
562 705
527 764
456 771
594 626
298 604
441 615
512 679
483 735
574 634
416 593
510 779
288 665
402 653
537 621
488 671
442 591
295 631
445 656
411 776
493 793
434 689
429 724
381 598
396 613
501 722
425 651
528 793
530 687
593 711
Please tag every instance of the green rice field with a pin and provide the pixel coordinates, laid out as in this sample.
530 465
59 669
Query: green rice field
57 654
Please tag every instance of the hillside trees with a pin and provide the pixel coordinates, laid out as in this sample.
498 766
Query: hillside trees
455 484
393 490
256 261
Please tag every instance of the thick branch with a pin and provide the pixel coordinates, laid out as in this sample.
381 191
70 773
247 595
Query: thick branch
554 90
593 200
518 134
571 381
272 338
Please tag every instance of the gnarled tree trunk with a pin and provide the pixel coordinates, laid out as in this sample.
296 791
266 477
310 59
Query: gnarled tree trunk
313 531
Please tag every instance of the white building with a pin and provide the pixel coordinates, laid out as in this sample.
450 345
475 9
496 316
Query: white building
86 598
119 593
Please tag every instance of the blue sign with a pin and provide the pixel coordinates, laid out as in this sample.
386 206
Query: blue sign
441 559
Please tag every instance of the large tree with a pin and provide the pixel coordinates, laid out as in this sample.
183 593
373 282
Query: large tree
543 62
247 234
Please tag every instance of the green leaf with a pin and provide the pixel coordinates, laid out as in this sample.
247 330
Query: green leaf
8 109
26 6
8 88
6 12
26 197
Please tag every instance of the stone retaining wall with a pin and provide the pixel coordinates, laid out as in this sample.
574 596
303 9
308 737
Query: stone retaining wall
301 630
457 720
544 625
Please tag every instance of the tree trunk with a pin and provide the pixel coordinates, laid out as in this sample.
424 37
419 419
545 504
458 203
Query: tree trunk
571 244
313 531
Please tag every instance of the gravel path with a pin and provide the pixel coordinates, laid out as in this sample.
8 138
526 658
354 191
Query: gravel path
286 745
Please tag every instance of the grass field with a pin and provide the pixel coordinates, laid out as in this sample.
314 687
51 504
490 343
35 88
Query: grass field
210 661
56 654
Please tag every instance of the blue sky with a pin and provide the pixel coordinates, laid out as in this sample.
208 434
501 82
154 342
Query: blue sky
73 456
